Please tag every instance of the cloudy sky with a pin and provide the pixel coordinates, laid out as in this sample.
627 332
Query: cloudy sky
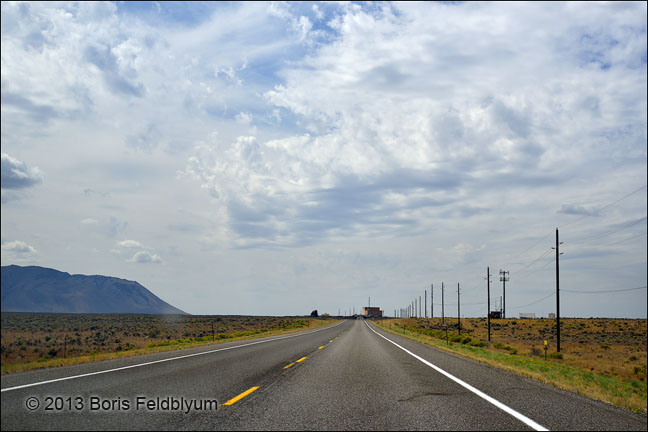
272 158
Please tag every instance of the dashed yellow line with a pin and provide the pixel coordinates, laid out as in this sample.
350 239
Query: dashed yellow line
301 359
321 347
330 341
286 367
241 396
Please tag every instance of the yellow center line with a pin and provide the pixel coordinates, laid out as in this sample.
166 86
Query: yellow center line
301 359
241 396
321 347
330 341
286 367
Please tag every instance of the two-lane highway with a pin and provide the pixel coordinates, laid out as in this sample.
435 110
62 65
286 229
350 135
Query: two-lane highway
350 376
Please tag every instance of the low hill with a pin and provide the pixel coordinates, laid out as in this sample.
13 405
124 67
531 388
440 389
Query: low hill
39 289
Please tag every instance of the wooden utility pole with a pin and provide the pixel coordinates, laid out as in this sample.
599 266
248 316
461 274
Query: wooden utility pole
557 291
504 278
458 309
488 291
425 303
442 306
431 300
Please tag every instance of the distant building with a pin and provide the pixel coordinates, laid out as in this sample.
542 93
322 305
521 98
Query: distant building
372 312
495 314
527 315
551 316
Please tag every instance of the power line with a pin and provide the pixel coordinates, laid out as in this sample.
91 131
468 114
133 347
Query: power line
621 199
620 227
579 219
549 261
626 239
537 243
608 291
537 301
607 205
544 254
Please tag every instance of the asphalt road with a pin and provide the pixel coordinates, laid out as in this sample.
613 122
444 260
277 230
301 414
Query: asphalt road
350 376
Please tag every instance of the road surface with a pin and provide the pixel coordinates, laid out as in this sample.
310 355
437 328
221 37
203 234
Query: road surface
349 376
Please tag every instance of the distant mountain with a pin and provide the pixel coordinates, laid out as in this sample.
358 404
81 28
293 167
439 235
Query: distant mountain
39 289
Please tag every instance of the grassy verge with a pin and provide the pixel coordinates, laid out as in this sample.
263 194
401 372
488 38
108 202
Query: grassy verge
625 393
171 345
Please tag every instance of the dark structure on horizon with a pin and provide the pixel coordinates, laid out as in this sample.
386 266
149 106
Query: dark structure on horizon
372 312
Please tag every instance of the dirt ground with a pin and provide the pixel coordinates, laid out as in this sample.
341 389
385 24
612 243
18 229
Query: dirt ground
615 347
32 337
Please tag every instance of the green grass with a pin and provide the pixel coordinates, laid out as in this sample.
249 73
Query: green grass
625 393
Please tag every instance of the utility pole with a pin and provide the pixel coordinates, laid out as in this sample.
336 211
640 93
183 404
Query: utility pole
420 315
557 291
425 303
442 306
458 309
504 278
488 285
431 300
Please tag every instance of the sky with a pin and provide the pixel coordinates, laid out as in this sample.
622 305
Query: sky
267 158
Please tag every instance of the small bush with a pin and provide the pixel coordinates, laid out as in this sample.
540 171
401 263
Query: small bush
508 348
556 355
477 343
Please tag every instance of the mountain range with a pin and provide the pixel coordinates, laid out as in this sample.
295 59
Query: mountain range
40 289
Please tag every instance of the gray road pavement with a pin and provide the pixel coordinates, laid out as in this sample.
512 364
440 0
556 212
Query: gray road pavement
349 378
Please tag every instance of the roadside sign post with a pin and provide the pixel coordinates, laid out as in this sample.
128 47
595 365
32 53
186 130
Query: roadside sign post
545 348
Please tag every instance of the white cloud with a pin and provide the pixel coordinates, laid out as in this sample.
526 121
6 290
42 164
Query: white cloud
396 94
318 12
109 226
423 140
18 251
144 257
243 118
16 175
130 244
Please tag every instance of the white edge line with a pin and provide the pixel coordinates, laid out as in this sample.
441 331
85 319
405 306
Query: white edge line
479 393
162 361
